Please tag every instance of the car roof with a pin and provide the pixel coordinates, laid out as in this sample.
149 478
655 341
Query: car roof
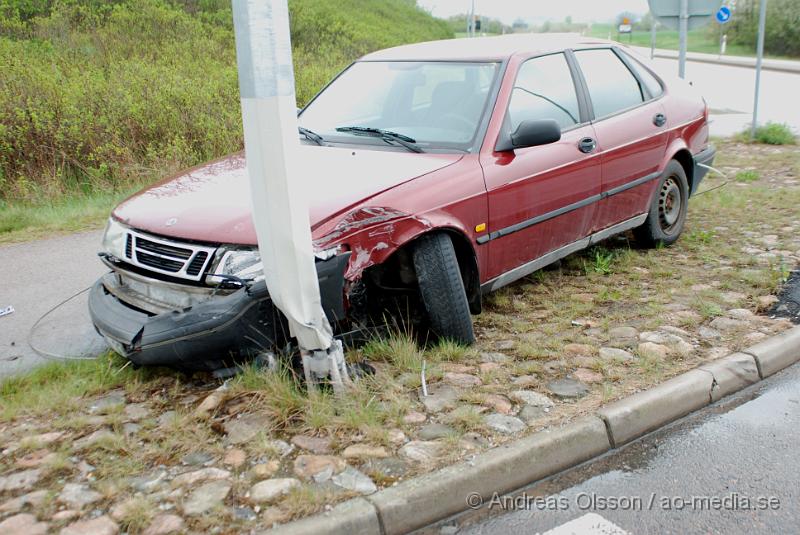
496 48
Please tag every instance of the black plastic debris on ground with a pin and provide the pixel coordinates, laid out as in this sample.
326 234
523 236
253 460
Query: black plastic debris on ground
788 304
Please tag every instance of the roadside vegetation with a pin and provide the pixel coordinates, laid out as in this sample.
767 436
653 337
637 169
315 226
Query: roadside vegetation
782 37
596 327
99 97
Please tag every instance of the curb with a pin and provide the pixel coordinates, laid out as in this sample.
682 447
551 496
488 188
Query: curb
431 497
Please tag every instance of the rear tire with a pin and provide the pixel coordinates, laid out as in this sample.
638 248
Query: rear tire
668 209
442 289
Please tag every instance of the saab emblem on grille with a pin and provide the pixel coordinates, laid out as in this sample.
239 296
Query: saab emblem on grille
171 221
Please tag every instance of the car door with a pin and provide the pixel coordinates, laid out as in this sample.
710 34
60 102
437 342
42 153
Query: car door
631 134
541 198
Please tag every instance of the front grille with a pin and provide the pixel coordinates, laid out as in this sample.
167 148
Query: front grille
197 263
177 259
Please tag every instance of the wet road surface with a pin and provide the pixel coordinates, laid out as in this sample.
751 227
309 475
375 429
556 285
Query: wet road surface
696 476
36 276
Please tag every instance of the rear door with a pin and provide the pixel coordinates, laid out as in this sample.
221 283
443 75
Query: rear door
540 198
631 134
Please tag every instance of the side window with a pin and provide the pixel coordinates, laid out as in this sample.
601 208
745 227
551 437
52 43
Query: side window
612 87
544 89
650 82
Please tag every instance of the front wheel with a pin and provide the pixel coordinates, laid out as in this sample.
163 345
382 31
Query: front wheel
667 214
442 289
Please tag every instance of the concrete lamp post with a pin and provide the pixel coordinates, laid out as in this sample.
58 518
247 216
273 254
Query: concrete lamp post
278 192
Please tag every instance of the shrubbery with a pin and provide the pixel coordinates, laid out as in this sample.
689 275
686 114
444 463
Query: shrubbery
96 94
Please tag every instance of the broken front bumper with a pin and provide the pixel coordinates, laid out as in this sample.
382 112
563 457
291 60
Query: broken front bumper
208 334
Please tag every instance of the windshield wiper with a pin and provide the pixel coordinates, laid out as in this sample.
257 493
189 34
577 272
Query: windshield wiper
386 135
311 135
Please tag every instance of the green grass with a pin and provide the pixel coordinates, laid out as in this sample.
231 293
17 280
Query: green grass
60 386
748 175
21 221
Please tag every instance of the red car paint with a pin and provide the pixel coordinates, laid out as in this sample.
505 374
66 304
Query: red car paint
373 202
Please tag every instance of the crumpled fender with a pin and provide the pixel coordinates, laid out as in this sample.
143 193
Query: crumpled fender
373 234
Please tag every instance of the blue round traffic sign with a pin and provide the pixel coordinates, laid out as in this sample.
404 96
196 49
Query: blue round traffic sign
724 14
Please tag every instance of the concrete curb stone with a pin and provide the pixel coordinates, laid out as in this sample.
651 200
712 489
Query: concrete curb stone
418 502
347 518
731 374
777 352
643 412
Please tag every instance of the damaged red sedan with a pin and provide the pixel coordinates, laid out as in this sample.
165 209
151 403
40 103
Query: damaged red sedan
436 172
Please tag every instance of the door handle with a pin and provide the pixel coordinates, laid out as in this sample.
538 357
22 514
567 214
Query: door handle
660 119
587 145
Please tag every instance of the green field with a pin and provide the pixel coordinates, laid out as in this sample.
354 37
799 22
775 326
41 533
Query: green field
699 40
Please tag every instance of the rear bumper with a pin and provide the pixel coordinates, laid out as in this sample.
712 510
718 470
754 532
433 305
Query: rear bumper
704 157
211 334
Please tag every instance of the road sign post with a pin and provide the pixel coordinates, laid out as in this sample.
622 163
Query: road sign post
683 30
762 22
683 15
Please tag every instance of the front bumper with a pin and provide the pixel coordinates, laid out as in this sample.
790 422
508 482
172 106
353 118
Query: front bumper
704 157
210 334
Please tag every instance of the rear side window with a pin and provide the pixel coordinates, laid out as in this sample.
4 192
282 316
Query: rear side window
544 89
612 87
650 82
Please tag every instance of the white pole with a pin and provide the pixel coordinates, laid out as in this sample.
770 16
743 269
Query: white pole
472 20
683 30
279 208
653 38
762 22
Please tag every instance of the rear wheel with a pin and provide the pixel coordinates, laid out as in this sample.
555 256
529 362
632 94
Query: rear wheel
668 209
442 289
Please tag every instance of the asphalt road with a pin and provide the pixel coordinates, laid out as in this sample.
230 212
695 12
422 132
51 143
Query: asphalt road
744 448
729 92
36 276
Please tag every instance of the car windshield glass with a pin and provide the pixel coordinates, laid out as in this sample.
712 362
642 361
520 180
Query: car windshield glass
437 104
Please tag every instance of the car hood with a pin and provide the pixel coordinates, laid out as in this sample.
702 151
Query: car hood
211 202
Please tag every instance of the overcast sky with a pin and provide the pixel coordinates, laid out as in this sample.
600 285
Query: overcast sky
537 10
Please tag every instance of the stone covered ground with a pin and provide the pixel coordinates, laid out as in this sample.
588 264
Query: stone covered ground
96 447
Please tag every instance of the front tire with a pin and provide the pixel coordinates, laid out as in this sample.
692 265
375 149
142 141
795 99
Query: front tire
442 289
667 215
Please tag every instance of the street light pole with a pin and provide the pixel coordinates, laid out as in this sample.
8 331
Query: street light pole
762 23
277 189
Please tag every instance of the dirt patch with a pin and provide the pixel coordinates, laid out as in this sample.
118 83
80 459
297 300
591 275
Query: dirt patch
150 447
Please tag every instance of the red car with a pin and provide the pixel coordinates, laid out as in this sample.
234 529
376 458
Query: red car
436 172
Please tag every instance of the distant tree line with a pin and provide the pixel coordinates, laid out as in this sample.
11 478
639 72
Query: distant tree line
782 35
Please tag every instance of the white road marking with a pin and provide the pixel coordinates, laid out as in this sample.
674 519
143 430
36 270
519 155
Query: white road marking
588 524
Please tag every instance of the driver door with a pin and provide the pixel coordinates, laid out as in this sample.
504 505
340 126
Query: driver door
541 198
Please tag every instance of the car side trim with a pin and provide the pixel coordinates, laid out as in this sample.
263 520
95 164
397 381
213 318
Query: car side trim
565 209
528 268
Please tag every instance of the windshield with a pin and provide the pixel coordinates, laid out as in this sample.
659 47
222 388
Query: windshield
437 104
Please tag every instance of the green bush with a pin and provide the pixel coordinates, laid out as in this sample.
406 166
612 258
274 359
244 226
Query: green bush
775 134
97 95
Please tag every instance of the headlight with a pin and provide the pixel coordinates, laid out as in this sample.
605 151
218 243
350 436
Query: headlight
114 239
244 264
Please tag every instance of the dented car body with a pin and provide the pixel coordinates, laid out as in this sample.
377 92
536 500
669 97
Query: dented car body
511 147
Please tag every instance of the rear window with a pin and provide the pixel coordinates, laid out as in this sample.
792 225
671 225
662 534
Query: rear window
612 87
650 82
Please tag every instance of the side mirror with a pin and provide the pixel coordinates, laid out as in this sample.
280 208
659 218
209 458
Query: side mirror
532 134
